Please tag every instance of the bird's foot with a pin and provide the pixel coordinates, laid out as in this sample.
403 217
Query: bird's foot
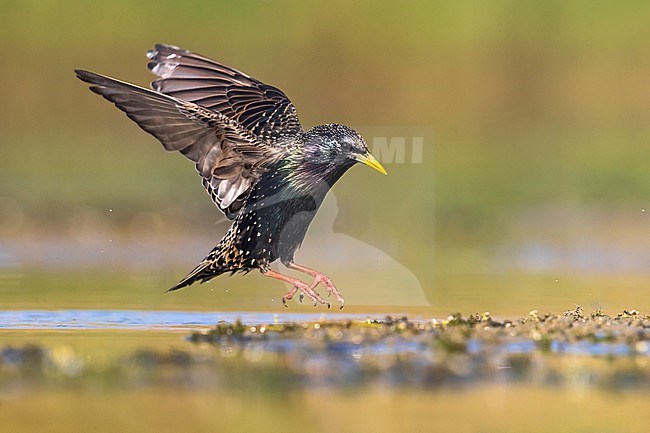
305 290
319 278
329 286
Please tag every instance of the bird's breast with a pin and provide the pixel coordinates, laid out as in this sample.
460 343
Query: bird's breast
276 216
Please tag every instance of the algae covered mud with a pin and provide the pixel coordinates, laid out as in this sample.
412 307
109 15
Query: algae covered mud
573 371
454 351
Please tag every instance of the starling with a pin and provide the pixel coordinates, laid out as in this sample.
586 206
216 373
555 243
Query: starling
261 169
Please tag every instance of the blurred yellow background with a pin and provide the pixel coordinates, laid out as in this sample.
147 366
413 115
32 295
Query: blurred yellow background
533 186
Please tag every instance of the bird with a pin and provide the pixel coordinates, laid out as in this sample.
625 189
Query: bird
261 169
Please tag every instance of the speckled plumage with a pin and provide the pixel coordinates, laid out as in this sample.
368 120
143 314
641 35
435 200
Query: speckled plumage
261 169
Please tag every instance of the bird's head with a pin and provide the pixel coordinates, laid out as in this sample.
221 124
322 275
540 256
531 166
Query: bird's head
338 146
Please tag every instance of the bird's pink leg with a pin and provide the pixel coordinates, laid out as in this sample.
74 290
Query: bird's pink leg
319 278
297 285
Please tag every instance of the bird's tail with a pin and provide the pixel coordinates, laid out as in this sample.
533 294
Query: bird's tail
204 271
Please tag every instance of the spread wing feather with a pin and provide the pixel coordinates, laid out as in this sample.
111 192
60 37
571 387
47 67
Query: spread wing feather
229 157
261 108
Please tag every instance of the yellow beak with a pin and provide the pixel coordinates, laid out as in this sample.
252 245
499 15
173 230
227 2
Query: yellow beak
370 161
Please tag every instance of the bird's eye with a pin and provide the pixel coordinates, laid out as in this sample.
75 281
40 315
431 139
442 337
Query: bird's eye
347 147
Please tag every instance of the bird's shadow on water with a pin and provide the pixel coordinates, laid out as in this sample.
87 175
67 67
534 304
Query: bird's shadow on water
365 274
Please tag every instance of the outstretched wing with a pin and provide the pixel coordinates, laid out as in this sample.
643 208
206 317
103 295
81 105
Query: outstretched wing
262 109
228 156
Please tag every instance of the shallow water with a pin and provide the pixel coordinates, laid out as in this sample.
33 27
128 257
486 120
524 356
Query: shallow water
315 372
141 320
146 320
83 344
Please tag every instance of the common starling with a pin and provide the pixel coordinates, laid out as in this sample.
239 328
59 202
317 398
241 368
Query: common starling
261 169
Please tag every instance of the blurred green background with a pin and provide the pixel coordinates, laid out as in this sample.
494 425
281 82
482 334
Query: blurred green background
533 186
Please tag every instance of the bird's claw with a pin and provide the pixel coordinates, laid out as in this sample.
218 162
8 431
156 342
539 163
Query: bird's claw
289 296
305 290
330 287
